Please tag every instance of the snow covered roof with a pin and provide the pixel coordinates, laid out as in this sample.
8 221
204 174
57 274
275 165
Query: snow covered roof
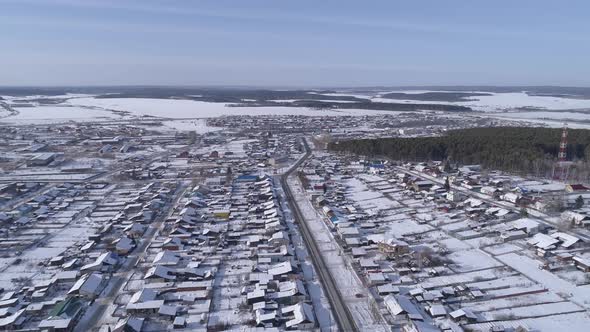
401 304
543 241
457 314
147 305
302 312
144 295
166 258
88 284
125 243
280 268
167 310
437 310
527 224
567 240
159 272
129 324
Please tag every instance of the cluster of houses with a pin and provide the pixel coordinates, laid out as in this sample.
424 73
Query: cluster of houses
365 203
55 295
353 126
223 259
162 256
35 206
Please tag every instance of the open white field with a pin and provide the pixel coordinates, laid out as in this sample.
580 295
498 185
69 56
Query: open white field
497 101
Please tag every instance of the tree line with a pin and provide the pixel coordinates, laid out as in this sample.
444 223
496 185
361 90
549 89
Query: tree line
515 149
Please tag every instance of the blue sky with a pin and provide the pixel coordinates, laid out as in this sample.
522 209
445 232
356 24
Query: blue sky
294 43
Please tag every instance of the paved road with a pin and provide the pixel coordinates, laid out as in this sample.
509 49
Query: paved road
343 317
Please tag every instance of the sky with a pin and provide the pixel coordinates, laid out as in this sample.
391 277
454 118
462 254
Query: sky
294 43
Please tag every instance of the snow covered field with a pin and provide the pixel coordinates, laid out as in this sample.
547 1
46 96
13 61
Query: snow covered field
54 114
175 108
83 108
198 125
498 101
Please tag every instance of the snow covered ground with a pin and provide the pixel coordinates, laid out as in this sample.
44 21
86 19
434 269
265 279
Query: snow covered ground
494 103
82 108
344 276
85 109
58 113
174 108
198 125
530 268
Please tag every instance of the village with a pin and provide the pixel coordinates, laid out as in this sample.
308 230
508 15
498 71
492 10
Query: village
455 249
255 226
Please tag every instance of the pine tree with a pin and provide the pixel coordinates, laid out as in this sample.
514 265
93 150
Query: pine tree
579 202
447 166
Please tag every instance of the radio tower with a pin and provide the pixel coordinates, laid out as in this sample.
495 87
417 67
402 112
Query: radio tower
561 169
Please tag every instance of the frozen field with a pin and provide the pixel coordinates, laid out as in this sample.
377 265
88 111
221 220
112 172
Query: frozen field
174 108
495 102
54 114
84 109
198 125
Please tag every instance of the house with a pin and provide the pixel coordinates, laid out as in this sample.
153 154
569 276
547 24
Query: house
166 258
576 217
582 263
400 305
143 295
368 264
256 295
105 261
168 311
393 247
421 185
463 315
64 316
288 292
221 213
124 246
281 270
491 191
172 243
129 324
161 273
179 323
147 307
543 241
135 230
299 317
420 326
513 235
387 289
567 241
510 197
12 322
88 285
42 159
527 225
437 310
454 196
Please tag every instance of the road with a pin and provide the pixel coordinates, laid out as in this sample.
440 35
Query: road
343 317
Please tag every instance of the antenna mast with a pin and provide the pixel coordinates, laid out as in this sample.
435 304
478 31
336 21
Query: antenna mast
561 167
